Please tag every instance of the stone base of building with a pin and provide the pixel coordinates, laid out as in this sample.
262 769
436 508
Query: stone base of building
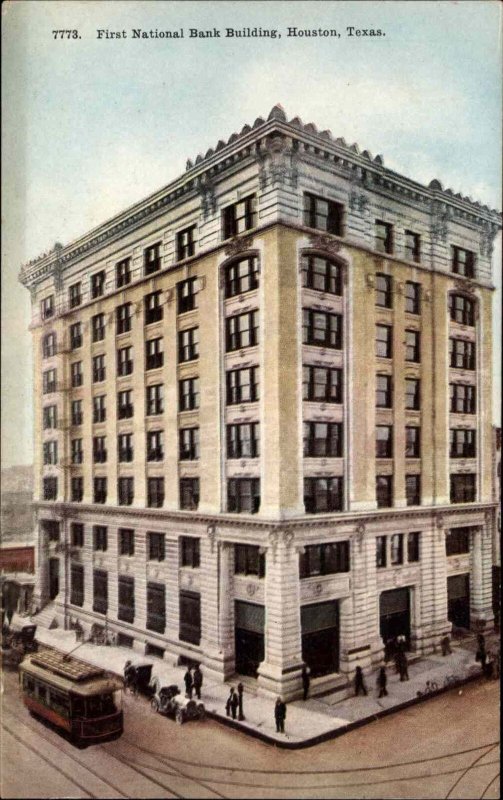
482 623
285 682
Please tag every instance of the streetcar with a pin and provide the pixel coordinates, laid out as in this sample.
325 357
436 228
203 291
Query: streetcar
82 700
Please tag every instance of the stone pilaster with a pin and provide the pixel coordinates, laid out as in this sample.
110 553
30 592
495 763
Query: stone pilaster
210 621
356 631
481 612
226 608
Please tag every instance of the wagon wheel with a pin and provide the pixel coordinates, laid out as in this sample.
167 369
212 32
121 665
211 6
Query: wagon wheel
180 716
201 712
154 704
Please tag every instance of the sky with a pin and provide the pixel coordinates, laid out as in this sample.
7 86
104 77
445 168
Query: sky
90 126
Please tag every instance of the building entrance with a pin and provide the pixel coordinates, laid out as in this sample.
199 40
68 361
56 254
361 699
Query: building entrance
320 637
394 618
458 600
53 577
249 637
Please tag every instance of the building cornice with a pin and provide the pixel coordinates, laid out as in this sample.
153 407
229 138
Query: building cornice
308 144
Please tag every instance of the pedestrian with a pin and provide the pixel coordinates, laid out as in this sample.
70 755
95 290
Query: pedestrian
197 681
382 680
403 666
130 676
280 715
306 681
446 646
241 715
359 682
401 643
234 703
229 702
187 679
481 654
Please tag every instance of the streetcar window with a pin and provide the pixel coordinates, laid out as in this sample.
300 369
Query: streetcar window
28 685
108 704
60 702
93 706
42 693
78 706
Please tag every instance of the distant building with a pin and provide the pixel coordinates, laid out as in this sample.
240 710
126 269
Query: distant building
16 509
497 532
263 412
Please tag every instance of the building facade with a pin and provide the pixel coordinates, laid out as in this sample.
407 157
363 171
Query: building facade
263 413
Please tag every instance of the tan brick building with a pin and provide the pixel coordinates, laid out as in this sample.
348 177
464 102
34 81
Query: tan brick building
263 412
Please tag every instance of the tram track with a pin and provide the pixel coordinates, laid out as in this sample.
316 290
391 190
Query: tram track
468 769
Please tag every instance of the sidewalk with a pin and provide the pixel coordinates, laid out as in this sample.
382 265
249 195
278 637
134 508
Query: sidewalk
308 722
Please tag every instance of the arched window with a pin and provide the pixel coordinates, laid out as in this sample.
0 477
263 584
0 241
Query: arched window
321 274
241 275
462 309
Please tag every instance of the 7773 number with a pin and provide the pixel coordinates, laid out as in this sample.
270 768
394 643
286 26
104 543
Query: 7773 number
66 34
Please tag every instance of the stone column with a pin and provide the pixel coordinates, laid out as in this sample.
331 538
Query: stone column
282 666
226 609
481 613
355 621
209 603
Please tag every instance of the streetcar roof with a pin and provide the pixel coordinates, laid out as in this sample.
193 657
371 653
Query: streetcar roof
99 683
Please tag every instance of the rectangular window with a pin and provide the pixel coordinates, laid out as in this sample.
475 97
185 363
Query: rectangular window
241 331
47 307
98 284
77 534
412 247
185 243
324 215
100 591
412 297
152 258
126 598
384 491
462 443
188 345
463 261
322 384
75 295
99 371
156 607
155 399
98 327
49 345
125 404
396 549
50 488
100 538
462 309
153 307
323 439
126 542
384 392
457 541
77 585
188 394
321 329
125 491
123 272
461 354
462 398
322 495
324 559
190 555
99 449
100 490
189 444
412 442
77 489
75 335
248 560
190 617
384 291
50 417
413 346
463 488
50 529
76 374
77 414
189 493
381 542
241 276
154 353
412 394
125 447
384 341
384 441
413 552
49 381
77 451
243 495
123 317
383 237
155 492
99 408
239 217
243 441
156 546
50 452
321 274
413 490
155 445
242 386
186 294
